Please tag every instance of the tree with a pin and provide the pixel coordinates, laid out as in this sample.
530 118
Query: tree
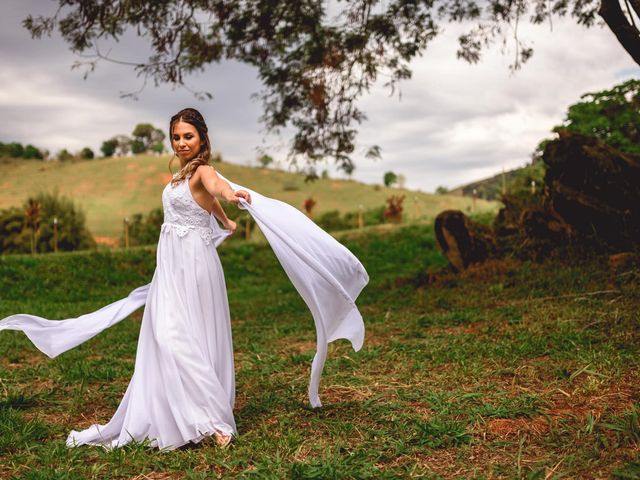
265 160
389 178
441 190
32 152
123 144
108 147
64 155
158 148
86 153
612 116
148 138
314 63
137 146
13 150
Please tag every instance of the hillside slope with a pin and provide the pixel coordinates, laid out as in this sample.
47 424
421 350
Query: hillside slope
113 188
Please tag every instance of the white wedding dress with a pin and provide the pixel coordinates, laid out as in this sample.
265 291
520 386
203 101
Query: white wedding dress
183 385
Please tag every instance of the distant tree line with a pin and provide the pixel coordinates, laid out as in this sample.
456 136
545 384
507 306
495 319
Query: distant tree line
17 150
145 138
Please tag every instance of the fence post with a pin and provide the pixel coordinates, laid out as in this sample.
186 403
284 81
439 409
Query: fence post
360 217
55 234
126 232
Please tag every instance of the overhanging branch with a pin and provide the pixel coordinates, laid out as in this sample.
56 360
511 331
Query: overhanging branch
627 34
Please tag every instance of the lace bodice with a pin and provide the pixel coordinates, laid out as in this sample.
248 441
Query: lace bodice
182 213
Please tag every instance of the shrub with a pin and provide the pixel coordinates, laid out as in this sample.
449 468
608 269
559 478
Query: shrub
308 205
86 153
144 230
64 155
15 232
393 211
108 147
389 178
32 152
333 221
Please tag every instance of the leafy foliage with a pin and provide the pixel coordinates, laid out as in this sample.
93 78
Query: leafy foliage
17 228
86 153
389 178
612 116
265 160
17 150
144 229
314 59
393 211
147 138
109 147
332 220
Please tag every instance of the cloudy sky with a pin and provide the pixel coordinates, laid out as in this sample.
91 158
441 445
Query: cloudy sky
454 122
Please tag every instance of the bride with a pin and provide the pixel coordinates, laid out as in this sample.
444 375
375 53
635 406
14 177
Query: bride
183 385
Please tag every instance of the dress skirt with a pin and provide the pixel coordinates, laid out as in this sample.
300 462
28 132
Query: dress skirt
183 385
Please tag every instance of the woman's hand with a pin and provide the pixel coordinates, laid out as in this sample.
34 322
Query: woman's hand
230 225
237 195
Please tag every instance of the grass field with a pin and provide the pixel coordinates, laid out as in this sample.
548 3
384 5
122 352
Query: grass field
511 370
109 190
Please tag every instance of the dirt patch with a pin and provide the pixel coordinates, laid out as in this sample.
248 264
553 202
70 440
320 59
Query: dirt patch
23 360
108 241
506 427
301 346
343 393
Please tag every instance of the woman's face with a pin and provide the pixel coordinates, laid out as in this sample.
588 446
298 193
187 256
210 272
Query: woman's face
185 141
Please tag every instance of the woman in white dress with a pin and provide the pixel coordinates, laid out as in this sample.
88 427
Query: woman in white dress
183 385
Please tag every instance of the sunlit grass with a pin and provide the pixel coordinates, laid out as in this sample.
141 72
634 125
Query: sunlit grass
511 370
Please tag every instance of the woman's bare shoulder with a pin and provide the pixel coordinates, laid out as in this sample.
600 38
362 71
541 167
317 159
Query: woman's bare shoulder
206 170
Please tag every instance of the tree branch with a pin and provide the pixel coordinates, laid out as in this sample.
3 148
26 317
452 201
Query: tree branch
627 35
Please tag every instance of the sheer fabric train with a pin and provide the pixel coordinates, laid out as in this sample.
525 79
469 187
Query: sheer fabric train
183 385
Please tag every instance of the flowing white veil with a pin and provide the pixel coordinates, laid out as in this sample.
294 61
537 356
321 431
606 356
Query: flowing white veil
324 272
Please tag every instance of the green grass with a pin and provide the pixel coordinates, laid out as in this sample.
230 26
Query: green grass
510 370
110 189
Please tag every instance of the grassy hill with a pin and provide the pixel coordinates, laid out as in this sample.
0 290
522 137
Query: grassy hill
110 189
492 188
510 370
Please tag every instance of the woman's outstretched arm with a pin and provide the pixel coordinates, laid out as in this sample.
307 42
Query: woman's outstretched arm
218 212
220 188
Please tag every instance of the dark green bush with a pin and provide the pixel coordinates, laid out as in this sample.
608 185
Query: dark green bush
333 221
16 232
144 230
